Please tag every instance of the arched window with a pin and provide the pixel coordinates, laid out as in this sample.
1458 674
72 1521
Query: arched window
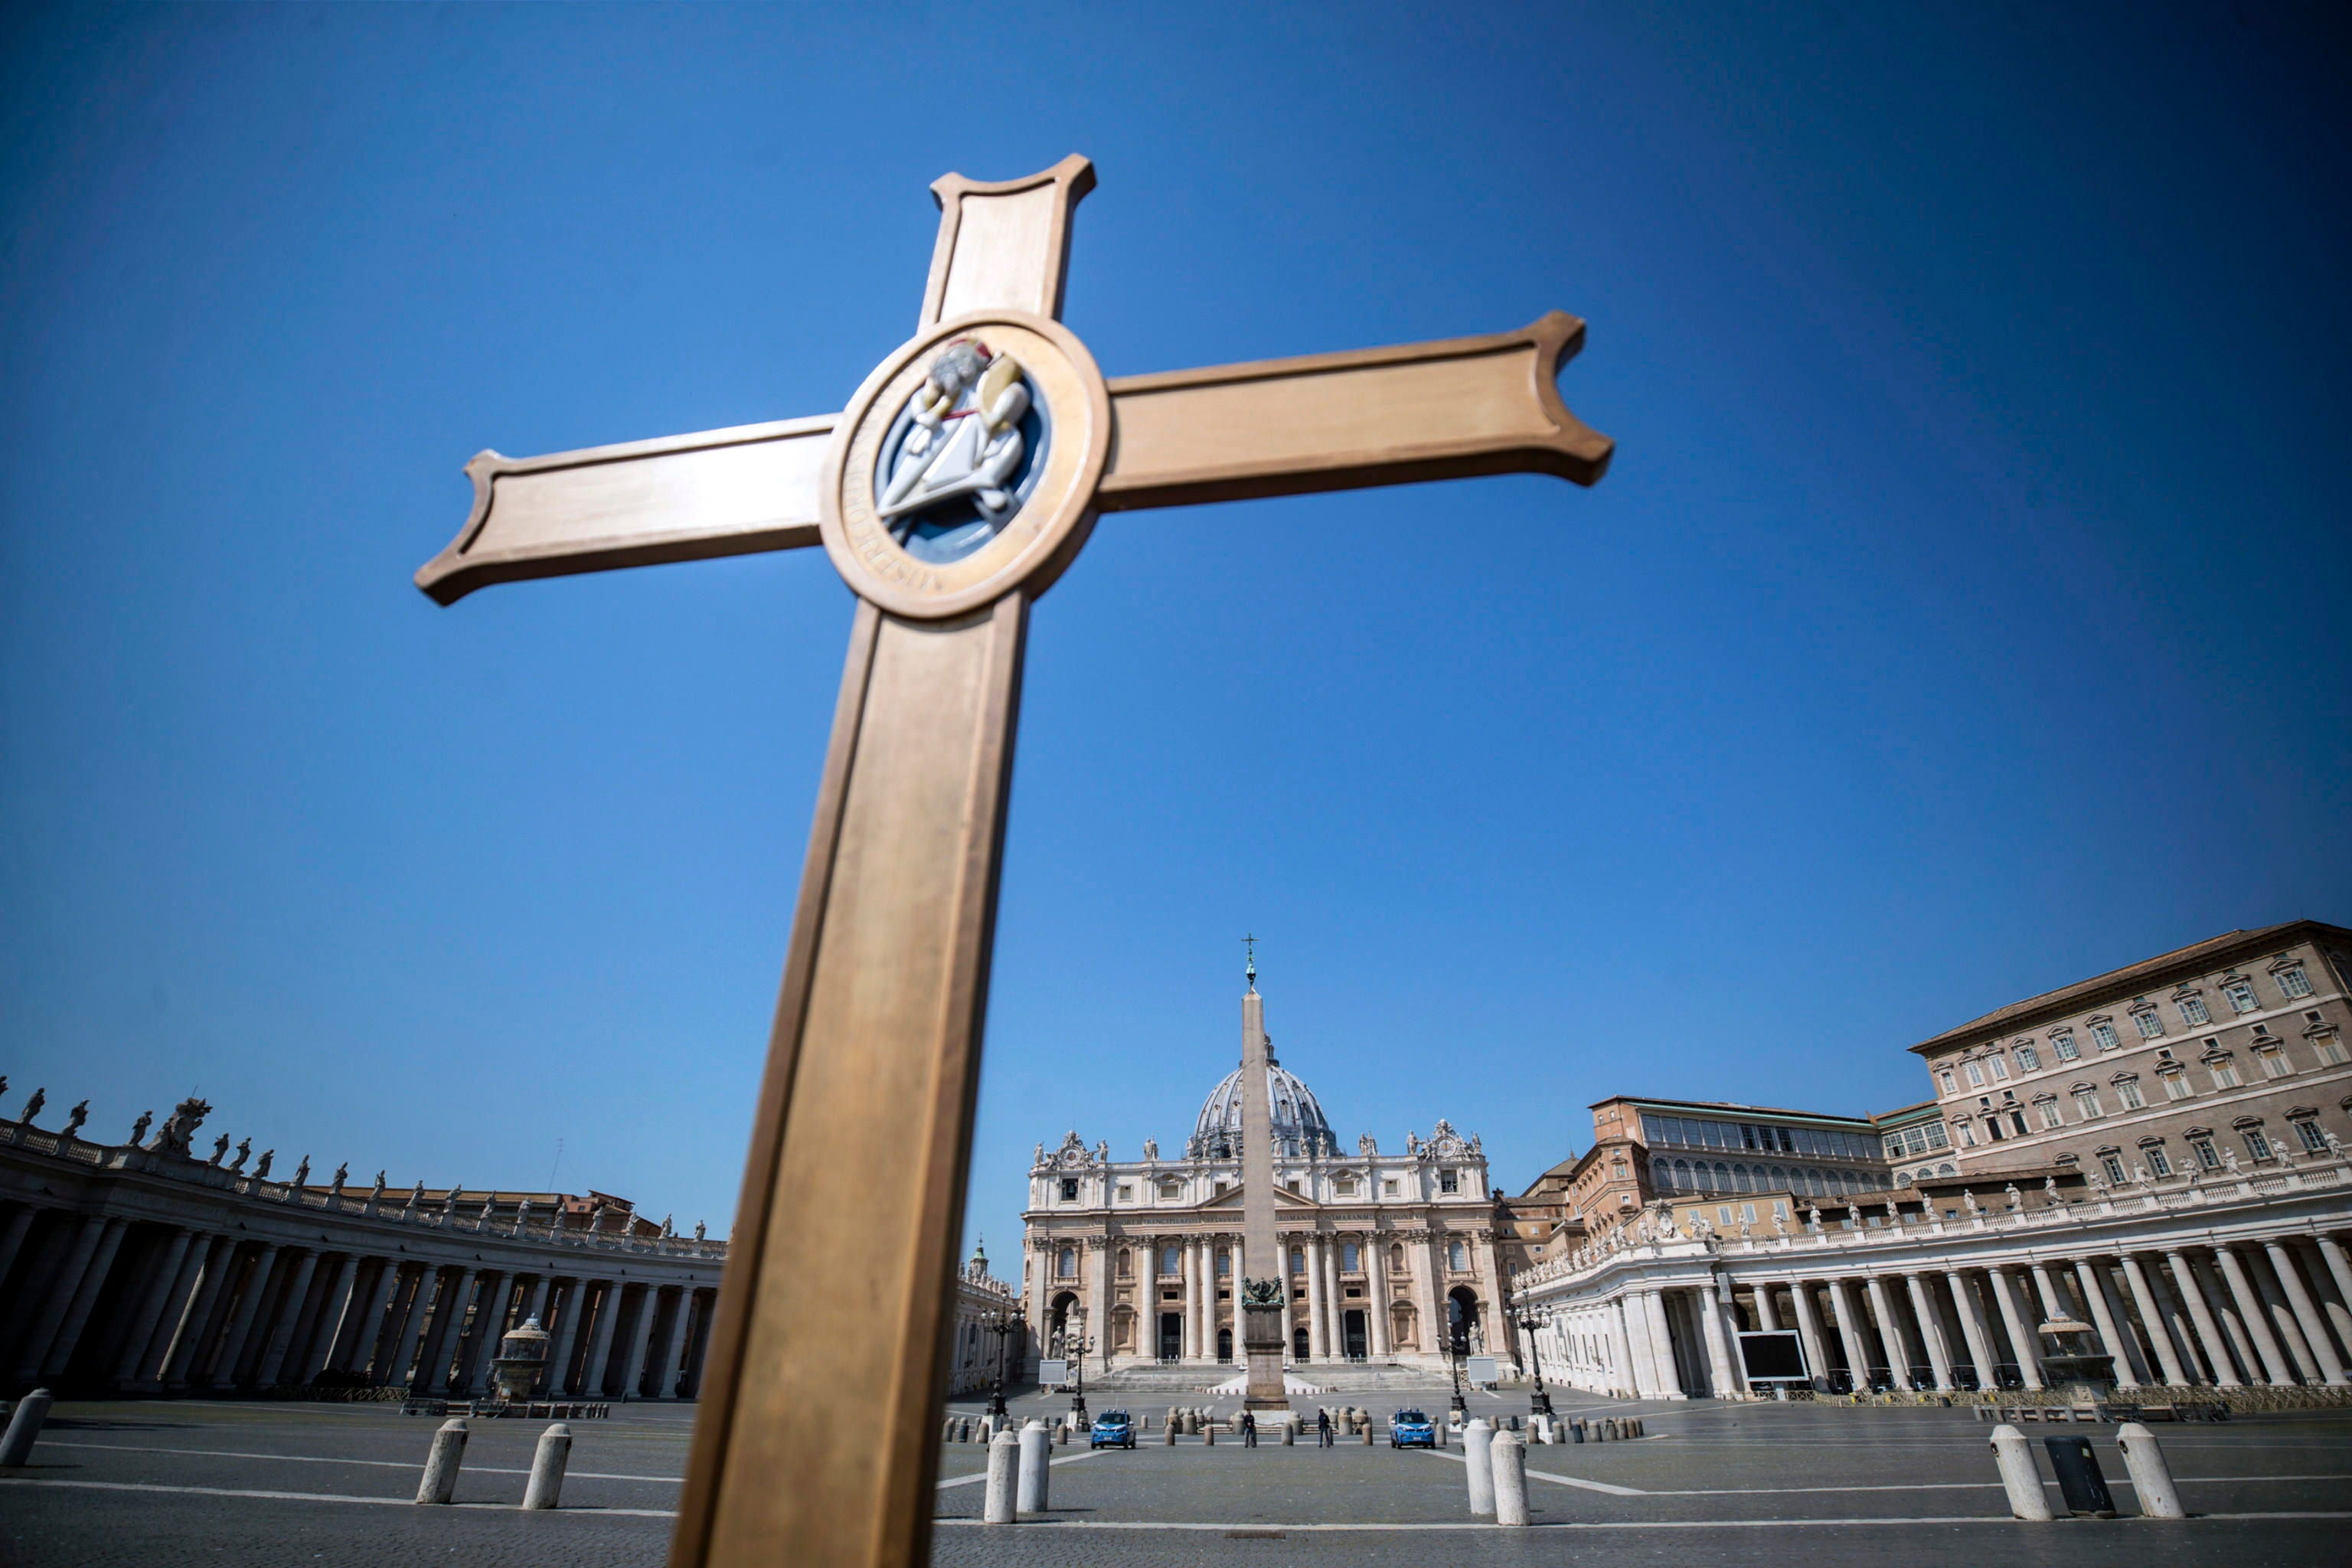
1739 1179
1126 1263
1224 1261
1352 1258
1298 1260
1683 1181
1457 1256
1722 1177
1167 1261
1066 1263
1779 1177
1396 1256
1662 1173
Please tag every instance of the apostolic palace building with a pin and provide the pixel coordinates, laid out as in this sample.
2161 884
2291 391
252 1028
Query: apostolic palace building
2149 1163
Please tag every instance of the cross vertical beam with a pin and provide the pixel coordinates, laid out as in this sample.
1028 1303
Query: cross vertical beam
814 1444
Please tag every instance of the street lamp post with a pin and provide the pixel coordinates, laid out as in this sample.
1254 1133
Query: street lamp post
1529 1324
1076 1345
1000 1323
1457 1344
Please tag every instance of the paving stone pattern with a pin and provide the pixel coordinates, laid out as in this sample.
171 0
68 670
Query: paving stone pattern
1713 1484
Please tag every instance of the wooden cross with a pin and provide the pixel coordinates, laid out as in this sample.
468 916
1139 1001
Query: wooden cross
816 1442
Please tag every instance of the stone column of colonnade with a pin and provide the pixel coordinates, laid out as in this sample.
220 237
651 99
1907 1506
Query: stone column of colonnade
665 1367
2327 1366
172 1279
1725 1378
564 1298
641 1337
596 1378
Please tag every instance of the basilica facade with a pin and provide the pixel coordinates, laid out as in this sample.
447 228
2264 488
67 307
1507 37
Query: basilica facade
1134 1262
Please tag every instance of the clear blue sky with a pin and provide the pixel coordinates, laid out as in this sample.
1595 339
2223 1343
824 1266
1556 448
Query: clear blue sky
1966 611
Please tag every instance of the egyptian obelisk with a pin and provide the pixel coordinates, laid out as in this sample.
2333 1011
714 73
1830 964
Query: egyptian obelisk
1264 1295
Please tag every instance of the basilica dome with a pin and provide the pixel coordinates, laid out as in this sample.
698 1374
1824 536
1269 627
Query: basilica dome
1299 1125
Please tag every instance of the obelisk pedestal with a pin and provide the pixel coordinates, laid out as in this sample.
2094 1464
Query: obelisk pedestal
1264 1298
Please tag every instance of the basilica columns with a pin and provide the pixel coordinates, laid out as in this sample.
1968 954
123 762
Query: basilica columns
1379 1340
1319 1334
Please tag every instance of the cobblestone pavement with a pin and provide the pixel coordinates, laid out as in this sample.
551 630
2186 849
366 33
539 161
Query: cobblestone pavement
138 1483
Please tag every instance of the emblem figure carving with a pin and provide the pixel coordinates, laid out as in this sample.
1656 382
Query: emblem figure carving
1262 1292
963 437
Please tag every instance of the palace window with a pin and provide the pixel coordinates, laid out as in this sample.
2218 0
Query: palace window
1451 1181
2087 1106
1171 1261
2192 1011
2151 1026
2329 1049
1975 1073
1967 1134
1066 1263
1352 1258
2293 982
1224 1261
1298 1260
2240 993
2274 1060
2047 1106
2176 1081
2102 1035
2201 1145
2028 1059
2152 1155
2224 1070
2257 1145
2000 1066
1069 1189
1944 1076
2063 1042
1171 1189
1457 1256
1345 1186
2127 1091
2016 1117
2307 1130
2111 1163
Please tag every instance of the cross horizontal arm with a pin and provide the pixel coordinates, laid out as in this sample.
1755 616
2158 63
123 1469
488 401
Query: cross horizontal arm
640 503
1333 422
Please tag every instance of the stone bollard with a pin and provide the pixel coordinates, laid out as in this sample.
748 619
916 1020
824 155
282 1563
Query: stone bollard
1209 1433
1576 1431
1035 1455
1167 1434
1289 1434
947 1430
2015 1455
1477 1440
1437 1433
23 1428
1368 1433
439 1483
1509 1482
1004 1459
547 1465
2151 1478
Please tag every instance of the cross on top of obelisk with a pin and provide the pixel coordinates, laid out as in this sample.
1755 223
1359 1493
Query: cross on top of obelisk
1249 961
959 482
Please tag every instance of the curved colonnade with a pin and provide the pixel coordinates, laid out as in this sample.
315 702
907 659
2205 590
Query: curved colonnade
2226 1284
